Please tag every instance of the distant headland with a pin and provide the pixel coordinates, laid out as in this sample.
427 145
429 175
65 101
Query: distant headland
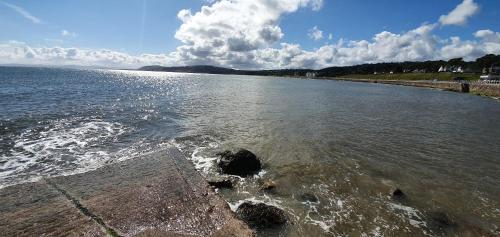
480 77
426 70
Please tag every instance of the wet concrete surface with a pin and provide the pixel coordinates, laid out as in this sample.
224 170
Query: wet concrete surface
159 194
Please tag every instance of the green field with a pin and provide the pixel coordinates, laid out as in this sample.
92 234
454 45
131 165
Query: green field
415 76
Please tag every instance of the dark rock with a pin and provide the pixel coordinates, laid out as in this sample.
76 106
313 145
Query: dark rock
226 182
308 197
398 194
242 163
221 183
260 215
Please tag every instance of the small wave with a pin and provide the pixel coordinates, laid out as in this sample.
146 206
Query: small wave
412 215
255 200
64 147
203 163
200 150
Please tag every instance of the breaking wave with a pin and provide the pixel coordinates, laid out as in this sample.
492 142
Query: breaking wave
64 147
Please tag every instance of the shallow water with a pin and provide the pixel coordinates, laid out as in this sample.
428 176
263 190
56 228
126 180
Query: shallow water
349 144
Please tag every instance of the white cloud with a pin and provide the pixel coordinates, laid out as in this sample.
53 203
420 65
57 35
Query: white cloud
461 13
23 12
414 45
418 44
315 33
330 36
488 35
316 5
13 52
488 42
246 34
66 33
226 32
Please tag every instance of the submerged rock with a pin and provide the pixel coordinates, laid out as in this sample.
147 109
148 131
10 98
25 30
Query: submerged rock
441 223
308 197
242 163
398 194
260 215
221 183
268 185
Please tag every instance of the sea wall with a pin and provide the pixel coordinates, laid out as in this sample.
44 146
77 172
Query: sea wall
491 90
477 88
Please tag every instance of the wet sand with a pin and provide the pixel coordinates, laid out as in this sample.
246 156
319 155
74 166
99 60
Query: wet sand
159 194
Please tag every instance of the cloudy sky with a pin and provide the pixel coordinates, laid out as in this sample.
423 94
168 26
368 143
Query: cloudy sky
245 34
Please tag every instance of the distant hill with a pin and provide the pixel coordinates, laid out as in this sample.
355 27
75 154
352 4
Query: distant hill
400 67
191 69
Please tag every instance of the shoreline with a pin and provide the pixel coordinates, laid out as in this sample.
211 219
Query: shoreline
159 194
479 89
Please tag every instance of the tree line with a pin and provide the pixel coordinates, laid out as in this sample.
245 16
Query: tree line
476 66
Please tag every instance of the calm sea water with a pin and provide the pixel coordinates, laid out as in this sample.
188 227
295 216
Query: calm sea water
349 144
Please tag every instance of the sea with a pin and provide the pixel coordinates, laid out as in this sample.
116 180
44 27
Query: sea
349 145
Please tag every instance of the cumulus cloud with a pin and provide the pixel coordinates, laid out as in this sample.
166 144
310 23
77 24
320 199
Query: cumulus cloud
227 31
15 52
461 13
23 12
417 44
315 33
414 45
246 34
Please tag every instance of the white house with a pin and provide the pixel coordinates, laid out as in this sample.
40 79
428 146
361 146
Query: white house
311 74
458 70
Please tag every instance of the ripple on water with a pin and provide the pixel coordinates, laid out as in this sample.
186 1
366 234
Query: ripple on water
341 205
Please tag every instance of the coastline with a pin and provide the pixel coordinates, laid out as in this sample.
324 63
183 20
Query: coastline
476 87
159 194
480 89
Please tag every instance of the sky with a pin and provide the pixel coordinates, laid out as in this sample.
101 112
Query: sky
245 34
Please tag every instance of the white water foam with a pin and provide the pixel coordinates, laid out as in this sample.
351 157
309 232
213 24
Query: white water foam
413 215
66 147
255 200
203 163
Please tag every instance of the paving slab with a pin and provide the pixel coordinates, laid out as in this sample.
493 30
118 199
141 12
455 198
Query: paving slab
158 194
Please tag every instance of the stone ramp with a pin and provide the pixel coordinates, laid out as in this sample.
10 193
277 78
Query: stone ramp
159 194
35 209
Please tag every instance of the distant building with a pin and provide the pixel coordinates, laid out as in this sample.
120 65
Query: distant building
458 70
454 69
445 69
311 74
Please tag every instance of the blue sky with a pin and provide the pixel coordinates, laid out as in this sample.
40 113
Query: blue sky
136 27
